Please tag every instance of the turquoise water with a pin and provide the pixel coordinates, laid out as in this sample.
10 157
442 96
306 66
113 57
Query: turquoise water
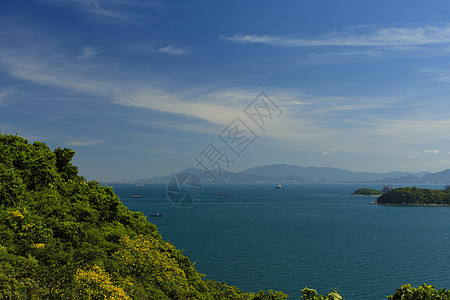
314 235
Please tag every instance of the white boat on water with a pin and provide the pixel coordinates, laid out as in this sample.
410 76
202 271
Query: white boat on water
278 186
156 215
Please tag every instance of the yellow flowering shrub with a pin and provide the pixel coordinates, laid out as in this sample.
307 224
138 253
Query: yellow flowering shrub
15 214
95 283
153 259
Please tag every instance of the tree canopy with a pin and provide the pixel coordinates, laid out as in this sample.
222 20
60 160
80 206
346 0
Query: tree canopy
415 196
367 192
423 292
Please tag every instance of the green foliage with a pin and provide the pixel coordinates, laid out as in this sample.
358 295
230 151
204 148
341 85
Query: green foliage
423 292
95 283
220 290
270 295
415 196
367 192
310 294
64 163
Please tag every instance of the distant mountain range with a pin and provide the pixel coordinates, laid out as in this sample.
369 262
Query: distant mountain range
282 173
442 177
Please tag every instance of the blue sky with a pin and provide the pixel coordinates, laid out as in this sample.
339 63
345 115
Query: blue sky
138 88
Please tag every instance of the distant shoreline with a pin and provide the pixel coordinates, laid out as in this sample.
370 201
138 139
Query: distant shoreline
401 204
362 195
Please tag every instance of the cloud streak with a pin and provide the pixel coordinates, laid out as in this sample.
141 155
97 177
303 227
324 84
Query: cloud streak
311 123
88 52
357 37
307 118
61 71
150 49
107 10
85 142
174 51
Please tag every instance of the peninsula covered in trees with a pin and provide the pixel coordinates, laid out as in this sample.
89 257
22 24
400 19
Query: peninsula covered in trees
415 197
62 237
367 192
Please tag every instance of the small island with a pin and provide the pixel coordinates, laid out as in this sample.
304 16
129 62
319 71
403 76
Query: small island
412 196
367 192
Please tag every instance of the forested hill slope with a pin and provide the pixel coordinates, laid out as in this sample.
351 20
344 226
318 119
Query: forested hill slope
415 196
64 238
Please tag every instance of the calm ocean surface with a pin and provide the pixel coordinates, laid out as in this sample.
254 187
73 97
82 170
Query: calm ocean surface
315 235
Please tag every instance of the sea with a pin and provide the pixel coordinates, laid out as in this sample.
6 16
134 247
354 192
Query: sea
319 236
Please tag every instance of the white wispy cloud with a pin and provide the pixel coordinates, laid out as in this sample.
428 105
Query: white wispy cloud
83 142
307 118
357 37
5 94
329 152
145 48
93 6
174 50
42 71
411 128
112 10
371 53
191 125
308 122
216 112
88 52
62 71
445 79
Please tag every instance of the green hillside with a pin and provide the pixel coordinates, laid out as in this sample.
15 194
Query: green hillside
367 192
415 196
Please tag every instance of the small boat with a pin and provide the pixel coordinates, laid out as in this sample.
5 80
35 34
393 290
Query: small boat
156 215
140 184
136 196
278 186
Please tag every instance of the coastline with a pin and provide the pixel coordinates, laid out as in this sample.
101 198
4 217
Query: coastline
401 204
